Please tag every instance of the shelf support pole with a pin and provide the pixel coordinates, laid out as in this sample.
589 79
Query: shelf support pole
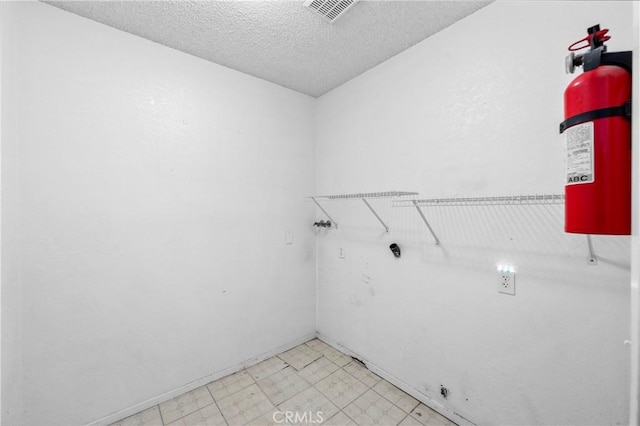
426 222
325 212
375 214
592 259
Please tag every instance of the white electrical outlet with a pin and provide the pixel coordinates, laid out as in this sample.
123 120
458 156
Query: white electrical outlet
507 280
341 253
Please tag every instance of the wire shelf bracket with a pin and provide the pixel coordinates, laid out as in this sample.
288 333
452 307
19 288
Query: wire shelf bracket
426 222
361 196
324 211
386 228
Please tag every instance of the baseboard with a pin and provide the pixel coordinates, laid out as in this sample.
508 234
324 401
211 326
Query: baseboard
134 409
400 384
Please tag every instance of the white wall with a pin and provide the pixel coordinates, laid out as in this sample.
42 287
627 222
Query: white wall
11 378
474 111
146 196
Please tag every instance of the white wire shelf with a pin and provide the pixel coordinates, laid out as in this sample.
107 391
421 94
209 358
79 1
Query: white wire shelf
509 200
485 201
360 196
388 194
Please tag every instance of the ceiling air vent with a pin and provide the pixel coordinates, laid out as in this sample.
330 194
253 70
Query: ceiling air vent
330 9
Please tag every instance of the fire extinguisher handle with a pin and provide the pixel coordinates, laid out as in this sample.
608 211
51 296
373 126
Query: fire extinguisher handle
573 47
593 39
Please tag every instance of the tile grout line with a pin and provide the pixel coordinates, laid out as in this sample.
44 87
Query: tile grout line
352 419
404 418
340 410
313 385
191 412
391 402
265 393
216 403
255 382
376 392
160 412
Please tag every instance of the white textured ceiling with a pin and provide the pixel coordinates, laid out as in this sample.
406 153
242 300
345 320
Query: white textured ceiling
281 41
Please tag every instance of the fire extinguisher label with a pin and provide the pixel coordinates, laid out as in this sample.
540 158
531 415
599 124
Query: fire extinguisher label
580 153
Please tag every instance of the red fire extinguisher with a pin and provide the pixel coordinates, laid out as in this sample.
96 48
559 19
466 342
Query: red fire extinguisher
597 126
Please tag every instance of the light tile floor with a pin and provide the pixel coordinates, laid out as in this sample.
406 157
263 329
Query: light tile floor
310 384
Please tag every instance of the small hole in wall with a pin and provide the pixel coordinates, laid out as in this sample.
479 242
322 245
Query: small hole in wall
444 392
